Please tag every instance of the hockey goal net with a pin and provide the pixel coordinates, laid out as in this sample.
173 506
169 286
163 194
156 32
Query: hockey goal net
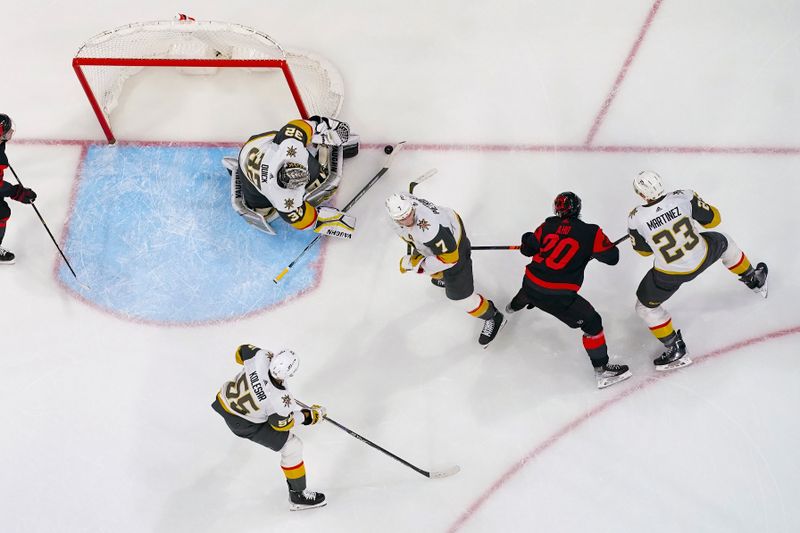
106 61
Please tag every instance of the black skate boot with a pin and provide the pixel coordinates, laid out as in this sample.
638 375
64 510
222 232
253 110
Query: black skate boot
300 500
757 279
675 356
510 310
608 374
491 328
6 257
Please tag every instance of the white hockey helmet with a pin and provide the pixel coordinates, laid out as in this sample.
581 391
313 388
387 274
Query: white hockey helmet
284 364
399 206
648 185
293 176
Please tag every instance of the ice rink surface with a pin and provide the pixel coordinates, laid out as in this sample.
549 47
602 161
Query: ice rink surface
106 425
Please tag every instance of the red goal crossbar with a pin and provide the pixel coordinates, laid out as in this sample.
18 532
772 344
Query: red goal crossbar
79 62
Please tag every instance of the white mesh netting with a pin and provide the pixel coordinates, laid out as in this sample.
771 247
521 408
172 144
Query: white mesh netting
319 83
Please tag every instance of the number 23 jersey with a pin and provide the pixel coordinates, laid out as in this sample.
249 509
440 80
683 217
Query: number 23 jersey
669 229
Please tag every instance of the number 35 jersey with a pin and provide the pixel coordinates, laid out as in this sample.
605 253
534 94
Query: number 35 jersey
669 229
254 396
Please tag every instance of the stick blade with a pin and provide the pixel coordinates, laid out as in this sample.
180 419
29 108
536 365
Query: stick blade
447 472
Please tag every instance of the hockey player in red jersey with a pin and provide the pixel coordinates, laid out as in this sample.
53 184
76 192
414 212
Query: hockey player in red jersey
667 227
7 190
257 405
560 249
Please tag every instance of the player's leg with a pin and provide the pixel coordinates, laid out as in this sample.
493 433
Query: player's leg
576 312
6 257
654 289
460 288
737 263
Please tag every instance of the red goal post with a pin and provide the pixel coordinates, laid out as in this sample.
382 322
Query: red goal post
106 61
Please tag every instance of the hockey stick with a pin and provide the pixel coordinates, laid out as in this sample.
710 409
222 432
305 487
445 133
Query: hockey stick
48 230
517 246
411 187
433 474
350 204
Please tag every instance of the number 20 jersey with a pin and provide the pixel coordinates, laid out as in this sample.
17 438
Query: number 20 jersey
670 229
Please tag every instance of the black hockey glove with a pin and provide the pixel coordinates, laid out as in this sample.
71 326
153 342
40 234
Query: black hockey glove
26 196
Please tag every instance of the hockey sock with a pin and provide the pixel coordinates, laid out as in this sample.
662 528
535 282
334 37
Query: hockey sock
735 260
478 306
2 229
292 463
295 476
597 349
658 320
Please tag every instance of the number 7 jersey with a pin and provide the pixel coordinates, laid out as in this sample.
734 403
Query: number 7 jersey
670 229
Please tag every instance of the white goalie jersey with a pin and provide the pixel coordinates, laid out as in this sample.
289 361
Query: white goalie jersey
253 396
670 230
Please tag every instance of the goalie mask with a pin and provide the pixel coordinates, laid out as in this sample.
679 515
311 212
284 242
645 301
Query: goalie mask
293 176
283 365
6 127
648 185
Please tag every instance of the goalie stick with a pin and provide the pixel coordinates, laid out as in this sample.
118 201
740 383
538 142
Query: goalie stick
432 474
411 187
350 204
517 246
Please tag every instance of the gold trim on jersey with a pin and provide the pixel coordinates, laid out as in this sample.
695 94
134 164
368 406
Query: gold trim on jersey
305 126
692 271
714 221
643 253
309 217
224 405
289 425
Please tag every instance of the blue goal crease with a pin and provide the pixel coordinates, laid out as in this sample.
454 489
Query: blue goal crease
154 236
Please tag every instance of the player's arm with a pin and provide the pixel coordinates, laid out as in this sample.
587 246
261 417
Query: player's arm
531 242
302 218
300 130
638 243
445 254
705 214
604 250
245 352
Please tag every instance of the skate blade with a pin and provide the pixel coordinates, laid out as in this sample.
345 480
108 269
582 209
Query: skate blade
502 325
301 507
762 291
447 472
680 363
607 382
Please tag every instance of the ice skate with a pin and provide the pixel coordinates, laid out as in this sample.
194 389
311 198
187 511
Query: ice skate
675 356
608 374
305 499
6 257
491 328
757 280
510 310
439 282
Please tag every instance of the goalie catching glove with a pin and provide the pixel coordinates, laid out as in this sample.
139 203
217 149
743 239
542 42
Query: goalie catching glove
335 223
314 414
329 131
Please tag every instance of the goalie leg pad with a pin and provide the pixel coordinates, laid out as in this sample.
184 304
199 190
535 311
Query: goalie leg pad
334 223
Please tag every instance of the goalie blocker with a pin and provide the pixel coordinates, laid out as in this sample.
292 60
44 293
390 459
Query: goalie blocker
289 173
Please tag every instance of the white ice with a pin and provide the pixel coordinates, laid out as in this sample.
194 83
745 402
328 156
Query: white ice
106 425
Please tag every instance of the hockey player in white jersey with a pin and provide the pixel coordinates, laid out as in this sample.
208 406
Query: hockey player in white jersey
257 405
288 173
441 249
668 227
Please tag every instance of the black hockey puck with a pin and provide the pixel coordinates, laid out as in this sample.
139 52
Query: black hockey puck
388 149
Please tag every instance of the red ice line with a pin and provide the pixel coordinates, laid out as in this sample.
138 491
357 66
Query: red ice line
577 422
622 73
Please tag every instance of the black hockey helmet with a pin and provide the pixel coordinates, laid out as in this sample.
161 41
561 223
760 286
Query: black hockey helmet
6 125
567 205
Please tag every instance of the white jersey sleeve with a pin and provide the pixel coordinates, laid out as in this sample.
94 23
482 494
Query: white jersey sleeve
669 230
